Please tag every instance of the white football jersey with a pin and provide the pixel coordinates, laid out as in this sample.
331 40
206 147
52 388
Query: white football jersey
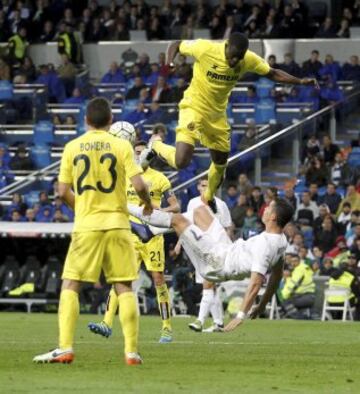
223 213
257 254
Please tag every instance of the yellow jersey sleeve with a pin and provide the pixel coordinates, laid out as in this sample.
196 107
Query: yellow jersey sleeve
165 184
256 64
194 48
66 168
131 168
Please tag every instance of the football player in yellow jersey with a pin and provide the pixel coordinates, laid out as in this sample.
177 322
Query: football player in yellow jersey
151 252
217 68
92 179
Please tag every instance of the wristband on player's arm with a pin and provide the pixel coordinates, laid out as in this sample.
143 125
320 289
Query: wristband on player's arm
241 315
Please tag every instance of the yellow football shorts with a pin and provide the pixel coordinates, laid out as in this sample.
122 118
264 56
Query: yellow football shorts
214 132
111 250
151 253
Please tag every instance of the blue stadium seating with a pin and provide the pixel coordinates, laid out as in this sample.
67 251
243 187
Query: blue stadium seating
44 132
40 154
6 91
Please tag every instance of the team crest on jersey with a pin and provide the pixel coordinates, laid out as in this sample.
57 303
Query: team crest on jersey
191 126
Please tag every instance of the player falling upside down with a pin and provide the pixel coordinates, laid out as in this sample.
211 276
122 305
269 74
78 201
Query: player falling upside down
218 259
151 252
202 111
96 165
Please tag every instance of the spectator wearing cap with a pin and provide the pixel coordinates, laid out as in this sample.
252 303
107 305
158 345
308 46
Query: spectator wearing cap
311 67
114 75
307 211
353 197
329 150
325 236
331 198
351 69
21 161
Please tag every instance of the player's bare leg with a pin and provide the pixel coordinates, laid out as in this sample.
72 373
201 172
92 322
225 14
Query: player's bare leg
163 299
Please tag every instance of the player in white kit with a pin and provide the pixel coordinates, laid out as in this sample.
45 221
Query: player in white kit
218 259
210 300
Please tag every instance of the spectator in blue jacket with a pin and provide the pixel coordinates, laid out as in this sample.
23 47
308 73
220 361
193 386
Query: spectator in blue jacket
67 213
331 92
56 89
157 114
114 75
137 115
231 196
331 198
351 70
76 98
45 214
293 97
330 69
153 77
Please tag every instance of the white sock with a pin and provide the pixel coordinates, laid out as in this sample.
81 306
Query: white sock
160 230
216 309
205 304
157 218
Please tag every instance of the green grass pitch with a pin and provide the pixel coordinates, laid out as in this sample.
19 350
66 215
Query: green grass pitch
260 357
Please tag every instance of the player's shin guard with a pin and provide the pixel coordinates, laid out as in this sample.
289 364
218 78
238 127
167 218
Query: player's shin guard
67 315
163 300
215 178
166 152
129 320
112 304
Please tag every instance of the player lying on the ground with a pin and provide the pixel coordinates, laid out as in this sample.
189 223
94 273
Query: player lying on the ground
218 66
150 252
218 259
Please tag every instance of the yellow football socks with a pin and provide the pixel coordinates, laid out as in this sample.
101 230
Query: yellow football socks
215 177
129 320
166 152
112 304
163 300
68 315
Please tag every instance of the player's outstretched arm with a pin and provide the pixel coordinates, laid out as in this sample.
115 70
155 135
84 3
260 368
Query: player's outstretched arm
256 281
143 192
281 76
171 52
273 284
66 194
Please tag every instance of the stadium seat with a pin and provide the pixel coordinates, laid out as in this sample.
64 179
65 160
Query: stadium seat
345 308
9 275
265 111
40 154
264 87
6 91
44 132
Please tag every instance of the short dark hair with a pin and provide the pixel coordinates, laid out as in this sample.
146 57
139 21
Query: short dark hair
140 143
98 112
203 178
284 212
239 40
315 51
346 204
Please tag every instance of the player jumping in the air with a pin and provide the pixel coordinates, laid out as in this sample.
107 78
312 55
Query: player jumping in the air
151 252
217 258
202 111
96 166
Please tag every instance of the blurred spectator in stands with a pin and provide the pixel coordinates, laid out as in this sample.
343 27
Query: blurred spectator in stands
311 67
183 69
290 196
270 28
59 217
238 211
56 89
76 97
17 46
133 17
253 17
134 92
157 114
155 30
256 199
96 32
202 16
340 172
5 71
15 22
176 23
244 185
17 203
1 212
4 28
272 61
269 195
6 175
70 120
28 69
56 120
144 96
307 210
317 172
48 32
293 97
161 92
166 11
330 93
21 161
295 243
327 29
240 10
45 214
16 216
164 69
344 31
351 69
67 42
311 149
331 198
30 215
230 27
347 14
290 24
252 31
120 33
353 230
137 115
329 150
355 248
331 70
353 197
231 195
340 252
216 28
177 91
251 96
155 73
44 199
67 73
187 31
250 223
323 212
249 138
114 75
344 218
107 20
290 66
144 64
313 190
325 237
304 257
327 267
